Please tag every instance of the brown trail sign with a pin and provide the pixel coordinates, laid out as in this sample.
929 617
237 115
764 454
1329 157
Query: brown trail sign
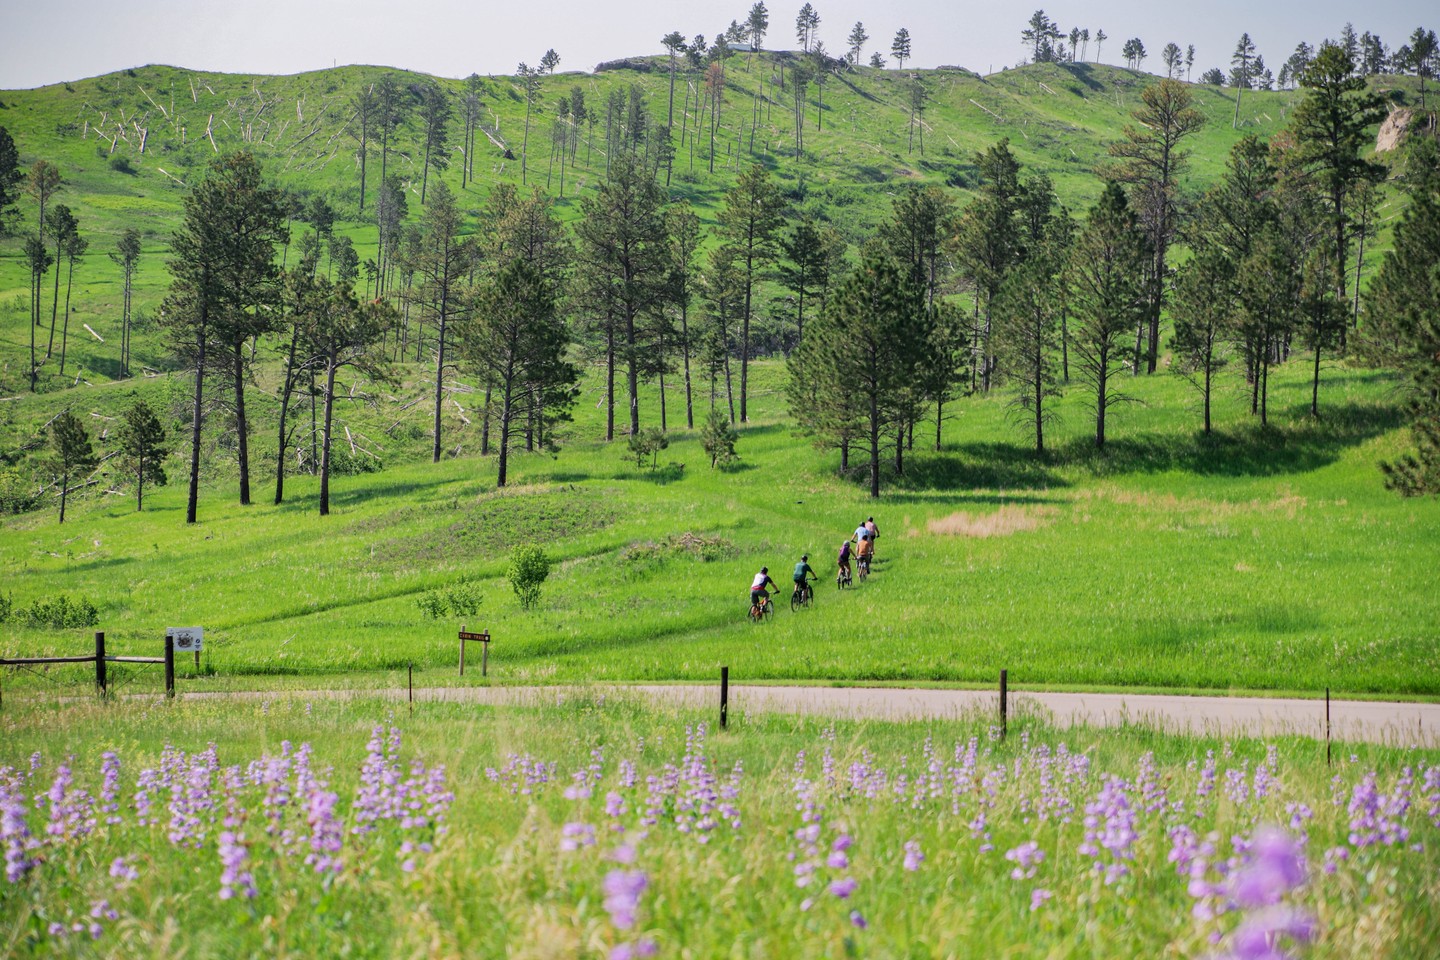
482 637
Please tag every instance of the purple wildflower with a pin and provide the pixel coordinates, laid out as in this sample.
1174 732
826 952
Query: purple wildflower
913 855
622 895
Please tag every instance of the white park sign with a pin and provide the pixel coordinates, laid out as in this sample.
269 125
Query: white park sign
186 638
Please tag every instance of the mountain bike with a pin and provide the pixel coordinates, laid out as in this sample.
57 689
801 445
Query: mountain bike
761 609
843 579
802 596
862 565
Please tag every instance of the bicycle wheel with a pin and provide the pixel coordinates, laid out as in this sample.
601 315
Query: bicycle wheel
797 600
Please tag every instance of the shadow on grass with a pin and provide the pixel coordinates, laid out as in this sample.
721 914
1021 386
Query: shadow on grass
1293 442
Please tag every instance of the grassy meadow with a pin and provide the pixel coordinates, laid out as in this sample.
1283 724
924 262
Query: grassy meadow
1259 559
592 827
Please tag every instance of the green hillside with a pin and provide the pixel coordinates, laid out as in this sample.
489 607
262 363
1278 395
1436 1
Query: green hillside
1058 118
1259 558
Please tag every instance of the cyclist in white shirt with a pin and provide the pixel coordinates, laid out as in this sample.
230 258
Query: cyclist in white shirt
758 585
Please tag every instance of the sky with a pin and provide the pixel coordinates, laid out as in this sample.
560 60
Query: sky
60 40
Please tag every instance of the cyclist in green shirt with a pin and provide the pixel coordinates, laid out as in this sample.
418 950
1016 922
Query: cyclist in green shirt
803 573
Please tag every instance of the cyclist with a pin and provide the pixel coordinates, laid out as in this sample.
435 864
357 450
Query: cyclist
874 534
757 587
803 573
864 544
844 560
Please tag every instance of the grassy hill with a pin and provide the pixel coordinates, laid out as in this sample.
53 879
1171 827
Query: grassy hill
1261 559
1058 118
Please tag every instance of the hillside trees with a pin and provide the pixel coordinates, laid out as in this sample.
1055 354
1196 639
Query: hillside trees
339 331
1403 329
73 248
749 222
442 260
470 104
516 339
222 258
1149 160
434 132
126 256
807 21
63 226
1039 35
870 338
38 259
1330 128
10 179
625 267
1106 289
682 227
987 243
529 79
364 107
142 448
1028 310
1204 300
392 110
70 443
1027 334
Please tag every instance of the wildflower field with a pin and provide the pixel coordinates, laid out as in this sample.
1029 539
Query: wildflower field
587 827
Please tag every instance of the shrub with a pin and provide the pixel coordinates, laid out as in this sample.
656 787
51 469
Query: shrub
461 599
62 612
719 438
121 164
529 567
648 443
6 605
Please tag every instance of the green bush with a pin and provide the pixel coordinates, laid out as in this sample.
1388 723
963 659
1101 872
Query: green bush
6 605
121 164
529 567
62 612
462 599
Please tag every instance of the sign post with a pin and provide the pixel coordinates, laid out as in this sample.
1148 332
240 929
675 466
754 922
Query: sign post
187 638
481 637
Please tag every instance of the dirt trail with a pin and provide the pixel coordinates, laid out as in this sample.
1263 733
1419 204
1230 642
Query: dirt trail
1398 724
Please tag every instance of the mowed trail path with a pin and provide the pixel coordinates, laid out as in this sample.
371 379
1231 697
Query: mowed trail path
1396 724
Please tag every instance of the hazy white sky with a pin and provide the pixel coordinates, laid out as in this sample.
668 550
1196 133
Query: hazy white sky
56 40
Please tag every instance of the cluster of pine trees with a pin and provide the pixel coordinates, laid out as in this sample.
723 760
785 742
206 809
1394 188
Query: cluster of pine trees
1009 293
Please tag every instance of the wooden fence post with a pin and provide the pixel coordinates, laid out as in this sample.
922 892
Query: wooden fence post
1327 726
100 676
462 649
724 696
1004 703
170 666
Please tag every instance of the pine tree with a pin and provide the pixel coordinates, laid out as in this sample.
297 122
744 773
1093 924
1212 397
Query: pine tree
143 449
435 132
624 263
1107 291
71 444
1403 324
900 48
987 243
718 439
1240 71
1331 128
222 264
749 221
1204 301
442 261
11 177
1150 161
857 40
126 256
